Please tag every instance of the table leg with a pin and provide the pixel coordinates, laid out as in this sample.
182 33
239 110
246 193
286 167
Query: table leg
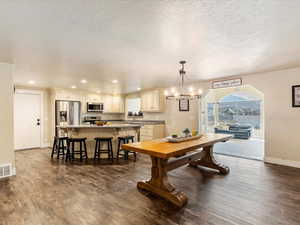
160 185
209 161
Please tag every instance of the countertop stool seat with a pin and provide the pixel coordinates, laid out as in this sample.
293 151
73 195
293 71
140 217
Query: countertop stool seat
72 151
59 146
108 150
122 152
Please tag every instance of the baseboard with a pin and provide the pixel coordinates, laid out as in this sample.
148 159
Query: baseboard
46 145
282 162
14 171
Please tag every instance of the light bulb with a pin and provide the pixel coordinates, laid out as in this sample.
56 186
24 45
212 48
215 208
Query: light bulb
166 93
200 91
173 90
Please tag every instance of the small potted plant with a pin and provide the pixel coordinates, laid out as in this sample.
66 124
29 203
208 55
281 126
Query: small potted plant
187 132
174 136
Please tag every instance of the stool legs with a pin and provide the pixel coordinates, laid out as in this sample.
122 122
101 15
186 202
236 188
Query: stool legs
125 152
111 152
68 155
96 154
82 152
98 150
134 153
54 147
59 147
85 151
119 148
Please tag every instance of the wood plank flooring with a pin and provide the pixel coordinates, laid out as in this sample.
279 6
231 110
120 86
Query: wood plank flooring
47 192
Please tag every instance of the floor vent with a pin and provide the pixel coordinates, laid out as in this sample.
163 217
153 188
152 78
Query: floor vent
5 170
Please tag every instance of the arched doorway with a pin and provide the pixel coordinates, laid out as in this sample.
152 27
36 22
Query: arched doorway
238 111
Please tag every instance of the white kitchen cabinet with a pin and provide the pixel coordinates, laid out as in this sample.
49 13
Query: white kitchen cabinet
113 104
118 104
94 98
150 132
107 101
152 101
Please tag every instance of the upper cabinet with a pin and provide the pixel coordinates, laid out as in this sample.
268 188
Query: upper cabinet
94 98
118 104
113 104
152 101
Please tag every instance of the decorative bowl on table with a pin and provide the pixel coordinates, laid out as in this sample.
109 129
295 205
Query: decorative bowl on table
179 139
186 135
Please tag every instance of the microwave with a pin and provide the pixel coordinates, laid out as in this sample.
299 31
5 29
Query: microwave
95 107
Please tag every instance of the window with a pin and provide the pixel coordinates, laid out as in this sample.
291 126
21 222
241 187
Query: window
134 105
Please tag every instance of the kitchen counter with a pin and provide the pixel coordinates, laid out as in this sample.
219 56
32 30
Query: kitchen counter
112 126
92 131
137 121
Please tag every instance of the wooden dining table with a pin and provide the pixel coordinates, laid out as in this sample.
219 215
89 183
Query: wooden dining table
168 156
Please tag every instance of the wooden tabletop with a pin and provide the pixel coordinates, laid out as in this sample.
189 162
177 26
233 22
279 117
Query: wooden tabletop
161 148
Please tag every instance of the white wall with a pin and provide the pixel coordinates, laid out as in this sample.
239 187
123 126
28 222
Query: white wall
7 154
176 121
282 121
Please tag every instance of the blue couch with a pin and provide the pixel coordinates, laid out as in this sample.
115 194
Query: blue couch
238 131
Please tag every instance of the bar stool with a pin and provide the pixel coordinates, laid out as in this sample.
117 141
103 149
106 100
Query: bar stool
59 146
125 154
71 151
109 150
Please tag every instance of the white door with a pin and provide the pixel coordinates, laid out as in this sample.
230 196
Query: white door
27 120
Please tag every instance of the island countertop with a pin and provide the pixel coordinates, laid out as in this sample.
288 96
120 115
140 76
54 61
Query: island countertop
112 126
90 132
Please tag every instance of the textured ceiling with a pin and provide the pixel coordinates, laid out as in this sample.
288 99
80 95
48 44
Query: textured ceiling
139 42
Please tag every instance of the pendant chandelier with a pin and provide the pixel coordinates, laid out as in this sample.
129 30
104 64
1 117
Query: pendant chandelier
182 92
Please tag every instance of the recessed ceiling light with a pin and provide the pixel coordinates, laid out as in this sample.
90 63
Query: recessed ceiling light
31 82
115 81
138 89
83 81
73 87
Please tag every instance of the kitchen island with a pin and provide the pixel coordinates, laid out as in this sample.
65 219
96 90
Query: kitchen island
92 131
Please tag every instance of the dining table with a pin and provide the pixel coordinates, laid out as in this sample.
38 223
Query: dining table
167 156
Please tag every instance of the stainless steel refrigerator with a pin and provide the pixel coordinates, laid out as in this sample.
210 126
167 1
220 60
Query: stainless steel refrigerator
67 113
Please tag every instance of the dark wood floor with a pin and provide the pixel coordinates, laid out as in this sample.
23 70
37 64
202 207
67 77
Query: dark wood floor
48 192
